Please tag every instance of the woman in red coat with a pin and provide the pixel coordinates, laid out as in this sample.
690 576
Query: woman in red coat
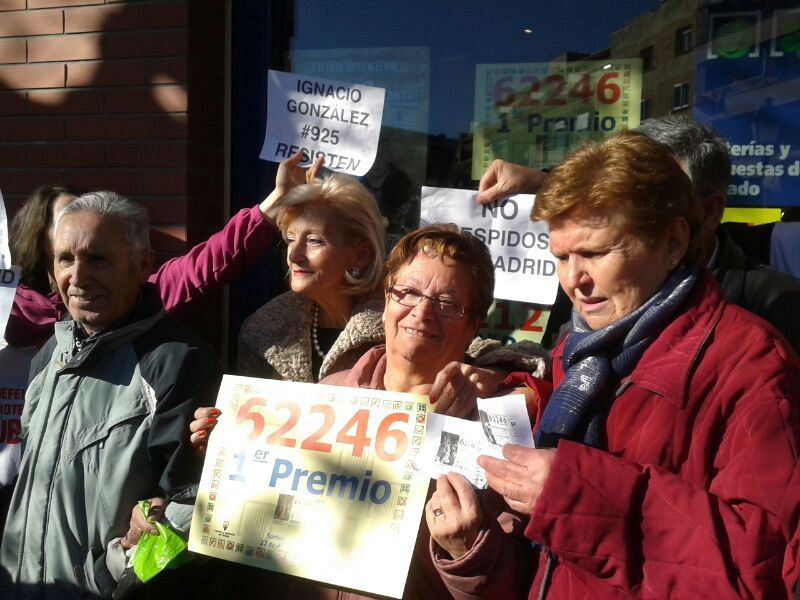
667 457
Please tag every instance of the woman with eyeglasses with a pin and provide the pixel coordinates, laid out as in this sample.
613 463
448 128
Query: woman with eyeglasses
438 288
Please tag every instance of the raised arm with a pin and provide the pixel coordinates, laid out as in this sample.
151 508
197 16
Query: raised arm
228 254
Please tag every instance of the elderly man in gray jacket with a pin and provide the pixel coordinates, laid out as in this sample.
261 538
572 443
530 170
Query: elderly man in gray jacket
107 410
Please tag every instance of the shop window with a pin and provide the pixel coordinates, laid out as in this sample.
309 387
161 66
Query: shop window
680 96
646 55
683 40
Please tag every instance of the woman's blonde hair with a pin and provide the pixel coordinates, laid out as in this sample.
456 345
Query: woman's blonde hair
357 218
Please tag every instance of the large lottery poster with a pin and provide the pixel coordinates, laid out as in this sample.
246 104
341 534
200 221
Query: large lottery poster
534 114
315 481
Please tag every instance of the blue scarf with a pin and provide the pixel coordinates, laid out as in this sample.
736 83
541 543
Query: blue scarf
595 360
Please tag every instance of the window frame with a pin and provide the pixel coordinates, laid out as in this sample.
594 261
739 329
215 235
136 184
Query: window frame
680 96
683 40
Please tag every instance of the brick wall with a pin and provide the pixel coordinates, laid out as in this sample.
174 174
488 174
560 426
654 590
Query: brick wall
127 96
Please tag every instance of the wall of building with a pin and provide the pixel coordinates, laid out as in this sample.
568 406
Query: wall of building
127 96
657 29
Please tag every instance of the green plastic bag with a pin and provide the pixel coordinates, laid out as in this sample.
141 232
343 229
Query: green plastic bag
154 553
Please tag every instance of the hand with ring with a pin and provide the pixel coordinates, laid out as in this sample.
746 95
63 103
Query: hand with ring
454 514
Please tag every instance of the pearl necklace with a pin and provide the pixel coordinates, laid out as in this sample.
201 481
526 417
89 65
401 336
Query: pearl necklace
314 337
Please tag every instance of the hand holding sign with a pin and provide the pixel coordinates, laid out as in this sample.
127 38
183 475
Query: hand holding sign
454 514
521 477
290 174
503 179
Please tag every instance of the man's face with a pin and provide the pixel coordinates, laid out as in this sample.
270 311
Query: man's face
97 280
709 210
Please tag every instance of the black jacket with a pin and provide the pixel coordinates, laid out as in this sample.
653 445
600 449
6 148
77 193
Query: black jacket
772 295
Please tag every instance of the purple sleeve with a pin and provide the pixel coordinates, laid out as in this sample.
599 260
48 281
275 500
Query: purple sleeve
32 317
221 259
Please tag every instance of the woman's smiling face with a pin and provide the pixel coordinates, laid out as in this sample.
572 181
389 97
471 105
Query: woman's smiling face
317 253
419 334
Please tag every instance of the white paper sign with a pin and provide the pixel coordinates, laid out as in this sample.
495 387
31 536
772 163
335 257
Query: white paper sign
337 120
524 268
5 254
9 279
14 366
9 275
454 445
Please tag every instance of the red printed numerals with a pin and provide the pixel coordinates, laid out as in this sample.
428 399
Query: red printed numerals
554 90
390 441
505 323
248 412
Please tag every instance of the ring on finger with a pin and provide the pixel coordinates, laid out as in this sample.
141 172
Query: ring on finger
437 512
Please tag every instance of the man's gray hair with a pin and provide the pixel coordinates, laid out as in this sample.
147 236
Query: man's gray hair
701 149
114 206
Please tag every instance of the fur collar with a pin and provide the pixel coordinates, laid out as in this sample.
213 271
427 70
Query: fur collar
279 333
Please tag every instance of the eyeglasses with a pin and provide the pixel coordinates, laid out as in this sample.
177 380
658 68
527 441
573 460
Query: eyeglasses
445 307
